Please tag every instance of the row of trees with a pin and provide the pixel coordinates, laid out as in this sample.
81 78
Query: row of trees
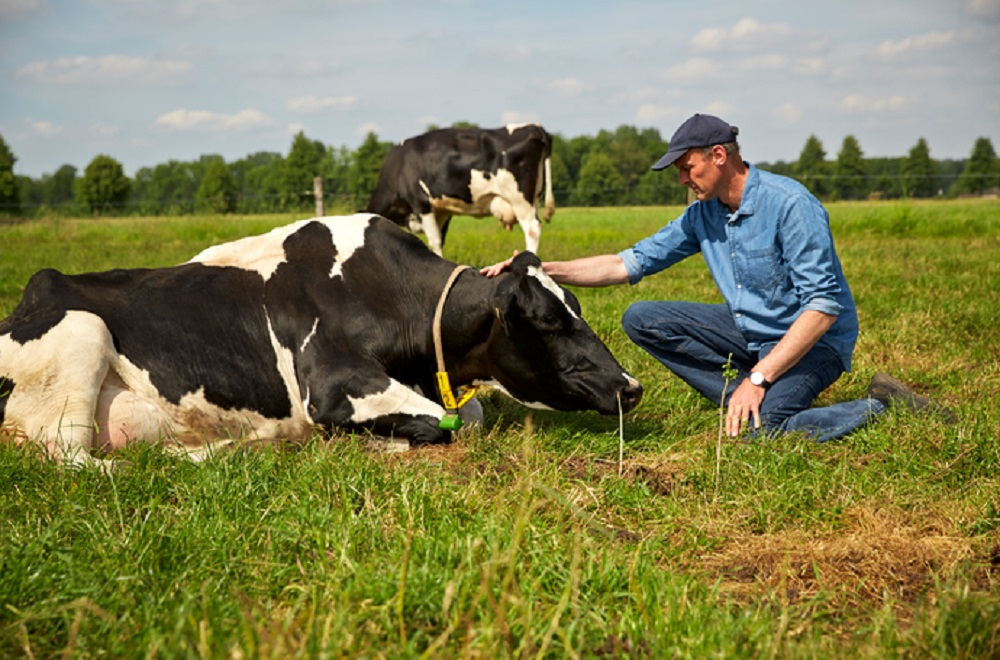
609 169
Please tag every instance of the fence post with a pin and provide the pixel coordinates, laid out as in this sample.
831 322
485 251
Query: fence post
318 194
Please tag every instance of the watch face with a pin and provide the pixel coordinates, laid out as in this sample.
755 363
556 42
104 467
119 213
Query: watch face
757 378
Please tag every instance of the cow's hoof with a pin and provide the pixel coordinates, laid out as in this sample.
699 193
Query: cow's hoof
471 414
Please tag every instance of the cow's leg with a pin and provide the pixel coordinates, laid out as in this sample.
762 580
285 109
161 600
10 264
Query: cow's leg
366 398
445 222
432 231
527 217
56 380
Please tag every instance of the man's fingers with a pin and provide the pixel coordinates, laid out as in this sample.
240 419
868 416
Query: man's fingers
496 269
733 422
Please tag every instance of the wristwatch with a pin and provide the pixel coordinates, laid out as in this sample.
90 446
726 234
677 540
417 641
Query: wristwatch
758 379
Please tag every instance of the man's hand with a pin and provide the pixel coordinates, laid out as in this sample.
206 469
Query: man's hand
744 404
800 338
496 269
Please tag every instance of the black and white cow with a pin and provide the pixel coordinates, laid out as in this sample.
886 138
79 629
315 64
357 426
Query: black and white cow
467 171
324 323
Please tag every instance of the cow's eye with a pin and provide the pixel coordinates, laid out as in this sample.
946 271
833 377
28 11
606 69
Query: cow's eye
550 323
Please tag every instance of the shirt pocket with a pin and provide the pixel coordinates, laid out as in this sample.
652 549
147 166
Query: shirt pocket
764 269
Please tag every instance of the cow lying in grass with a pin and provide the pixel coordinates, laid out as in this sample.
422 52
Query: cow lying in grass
327 322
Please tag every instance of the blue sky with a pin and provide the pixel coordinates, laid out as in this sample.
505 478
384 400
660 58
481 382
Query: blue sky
149 81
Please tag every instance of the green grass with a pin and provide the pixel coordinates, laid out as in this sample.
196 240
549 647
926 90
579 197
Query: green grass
529 538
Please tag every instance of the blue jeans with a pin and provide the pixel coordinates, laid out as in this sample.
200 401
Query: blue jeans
695 341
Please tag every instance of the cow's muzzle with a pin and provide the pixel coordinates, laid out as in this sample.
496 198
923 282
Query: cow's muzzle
631 394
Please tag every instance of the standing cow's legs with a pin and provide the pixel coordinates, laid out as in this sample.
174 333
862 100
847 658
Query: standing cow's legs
432 231
527 217
56 383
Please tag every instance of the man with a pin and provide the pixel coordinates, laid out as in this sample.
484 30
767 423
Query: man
788 326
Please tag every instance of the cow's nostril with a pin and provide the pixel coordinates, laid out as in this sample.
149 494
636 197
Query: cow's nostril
631 395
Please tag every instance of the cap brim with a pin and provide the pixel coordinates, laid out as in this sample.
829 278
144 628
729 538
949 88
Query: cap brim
668 159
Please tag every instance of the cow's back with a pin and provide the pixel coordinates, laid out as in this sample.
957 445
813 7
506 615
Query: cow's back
436 163
190 327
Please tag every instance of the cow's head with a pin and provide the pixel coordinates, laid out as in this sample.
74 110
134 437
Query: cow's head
545 355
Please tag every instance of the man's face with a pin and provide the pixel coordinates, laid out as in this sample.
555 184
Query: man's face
700 173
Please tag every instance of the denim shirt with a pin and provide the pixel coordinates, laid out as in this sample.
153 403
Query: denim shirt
771 259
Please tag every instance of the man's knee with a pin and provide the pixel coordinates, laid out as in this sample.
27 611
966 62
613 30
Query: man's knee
648 322
634 318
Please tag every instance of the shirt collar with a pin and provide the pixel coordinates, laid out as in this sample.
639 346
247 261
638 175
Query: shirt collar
749 198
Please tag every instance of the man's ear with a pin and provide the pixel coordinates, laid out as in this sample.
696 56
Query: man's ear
719 155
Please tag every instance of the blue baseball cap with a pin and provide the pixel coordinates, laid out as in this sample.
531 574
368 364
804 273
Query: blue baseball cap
698 131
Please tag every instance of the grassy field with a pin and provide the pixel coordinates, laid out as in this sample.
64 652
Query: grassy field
531 538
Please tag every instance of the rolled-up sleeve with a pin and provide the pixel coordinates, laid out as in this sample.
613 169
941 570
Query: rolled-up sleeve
674 242
631 265
824 305
810 255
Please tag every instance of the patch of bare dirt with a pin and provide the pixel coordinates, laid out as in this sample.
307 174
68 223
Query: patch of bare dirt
879 556
661 479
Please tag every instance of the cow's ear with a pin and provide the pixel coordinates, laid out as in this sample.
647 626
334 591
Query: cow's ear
505 300
519 267
515 284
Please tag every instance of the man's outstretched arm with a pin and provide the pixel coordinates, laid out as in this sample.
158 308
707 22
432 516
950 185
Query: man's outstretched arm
600 270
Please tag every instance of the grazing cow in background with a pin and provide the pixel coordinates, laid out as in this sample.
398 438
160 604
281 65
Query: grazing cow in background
467 171
328 322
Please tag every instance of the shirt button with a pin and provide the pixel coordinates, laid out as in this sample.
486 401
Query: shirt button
732 254
739 315
739 286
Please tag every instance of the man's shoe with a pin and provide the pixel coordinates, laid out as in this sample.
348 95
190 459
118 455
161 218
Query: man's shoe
891 391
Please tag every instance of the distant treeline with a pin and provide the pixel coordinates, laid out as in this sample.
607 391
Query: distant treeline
611 168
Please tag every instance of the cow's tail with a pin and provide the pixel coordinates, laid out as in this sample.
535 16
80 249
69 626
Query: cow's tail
550 202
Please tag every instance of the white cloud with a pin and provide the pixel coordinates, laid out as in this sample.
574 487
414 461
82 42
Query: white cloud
183 119
14 7
652 95
692 70
770 62
368 127
295 128
918 42
102 130
809 66
720 109
45 128
108 68
652 113
311 104
569 87
516 117
717 38
517 55
746 32
861 103
310 68
987 8
748 35
788 113
845 72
